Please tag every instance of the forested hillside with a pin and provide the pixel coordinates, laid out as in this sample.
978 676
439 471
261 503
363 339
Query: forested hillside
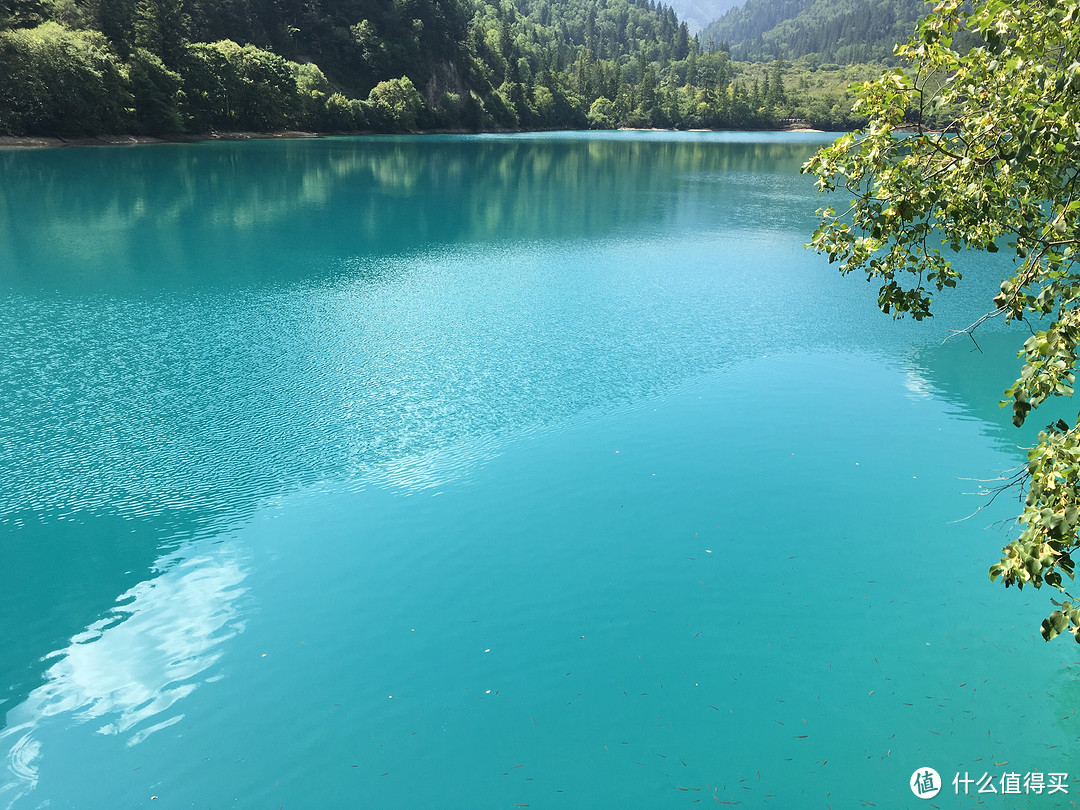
73 67
844 31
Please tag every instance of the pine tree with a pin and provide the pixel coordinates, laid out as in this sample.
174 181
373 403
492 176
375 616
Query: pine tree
161 28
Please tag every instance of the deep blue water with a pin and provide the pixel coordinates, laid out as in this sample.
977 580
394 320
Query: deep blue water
491 471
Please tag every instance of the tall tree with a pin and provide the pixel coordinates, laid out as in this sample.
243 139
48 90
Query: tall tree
161 28
116 20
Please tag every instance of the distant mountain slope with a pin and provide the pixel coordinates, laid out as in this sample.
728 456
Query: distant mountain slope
752 19
699 13
845 31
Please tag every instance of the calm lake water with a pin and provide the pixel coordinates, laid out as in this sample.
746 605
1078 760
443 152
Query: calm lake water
493 471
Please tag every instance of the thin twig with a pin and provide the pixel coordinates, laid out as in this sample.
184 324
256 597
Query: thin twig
1018 474
970 329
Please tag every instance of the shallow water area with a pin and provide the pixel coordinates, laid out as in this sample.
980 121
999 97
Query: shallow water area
486 471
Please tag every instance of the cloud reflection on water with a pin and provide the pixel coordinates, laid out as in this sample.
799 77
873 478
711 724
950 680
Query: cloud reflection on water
128 671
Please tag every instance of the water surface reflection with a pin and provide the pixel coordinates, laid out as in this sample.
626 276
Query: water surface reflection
127 672
262 211
194 332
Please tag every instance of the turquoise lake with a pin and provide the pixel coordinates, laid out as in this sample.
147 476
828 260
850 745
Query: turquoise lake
492 471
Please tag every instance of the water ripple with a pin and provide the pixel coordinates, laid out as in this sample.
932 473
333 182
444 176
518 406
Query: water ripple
137 406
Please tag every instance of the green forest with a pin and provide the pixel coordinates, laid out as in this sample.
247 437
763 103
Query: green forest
159 67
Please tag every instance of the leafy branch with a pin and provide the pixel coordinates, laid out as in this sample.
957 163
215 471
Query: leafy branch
974 148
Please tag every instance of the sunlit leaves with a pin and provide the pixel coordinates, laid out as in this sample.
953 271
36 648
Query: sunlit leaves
398 102
53 80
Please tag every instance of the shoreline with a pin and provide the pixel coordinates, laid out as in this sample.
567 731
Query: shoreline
58 142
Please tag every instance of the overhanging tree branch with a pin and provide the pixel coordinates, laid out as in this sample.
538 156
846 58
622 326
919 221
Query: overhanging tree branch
997 132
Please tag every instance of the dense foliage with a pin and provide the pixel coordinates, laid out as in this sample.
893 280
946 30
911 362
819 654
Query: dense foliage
165 66
1003 175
